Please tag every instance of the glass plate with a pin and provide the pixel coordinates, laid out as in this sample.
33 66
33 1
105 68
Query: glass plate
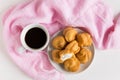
59 67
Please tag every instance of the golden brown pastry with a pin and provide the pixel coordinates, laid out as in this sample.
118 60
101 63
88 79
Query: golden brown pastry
65 54
72 64
73 46
70 34
84 55
59 42
67 29
84 39
55 56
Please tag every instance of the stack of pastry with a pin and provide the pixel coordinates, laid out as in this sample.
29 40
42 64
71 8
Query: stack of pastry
71 49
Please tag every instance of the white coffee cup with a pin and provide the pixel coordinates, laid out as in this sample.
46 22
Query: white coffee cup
34 37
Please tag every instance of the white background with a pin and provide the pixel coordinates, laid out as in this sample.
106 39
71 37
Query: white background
105 66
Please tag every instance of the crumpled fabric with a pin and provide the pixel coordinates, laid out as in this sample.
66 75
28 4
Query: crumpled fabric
92 16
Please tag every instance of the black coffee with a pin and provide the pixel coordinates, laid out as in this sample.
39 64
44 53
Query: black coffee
35 38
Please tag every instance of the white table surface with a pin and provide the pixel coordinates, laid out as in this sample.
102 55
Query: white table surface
105 66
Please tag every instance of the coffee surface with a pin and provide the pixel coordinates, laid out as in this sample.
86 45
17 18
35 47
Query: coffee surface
35 38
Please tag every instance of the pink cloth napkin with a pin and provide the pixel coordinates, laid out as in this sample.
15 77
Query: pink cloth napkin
91 15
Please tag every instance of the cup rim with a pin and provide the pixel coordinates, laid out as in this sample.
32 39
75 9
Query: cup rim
26 29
